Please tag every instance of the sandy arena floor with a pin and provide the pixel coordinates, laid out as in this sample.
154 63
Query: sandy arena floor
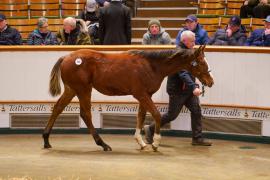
76 157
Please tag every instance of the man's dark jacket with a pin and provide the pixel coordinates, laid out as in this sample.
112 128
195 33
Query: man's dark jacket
115 24
10 36
258 38
182 82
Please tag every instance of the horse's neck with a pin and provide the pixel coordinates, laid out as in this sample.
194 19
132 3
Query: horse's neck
168 67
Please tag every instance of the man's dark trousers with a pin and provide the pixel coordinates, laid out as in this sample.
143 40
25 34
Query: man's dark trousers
176 102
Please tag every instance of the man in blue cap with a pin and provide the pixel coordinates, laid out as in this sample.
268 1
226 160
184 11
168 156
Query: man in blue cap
191 24
260 37
234 34
8 35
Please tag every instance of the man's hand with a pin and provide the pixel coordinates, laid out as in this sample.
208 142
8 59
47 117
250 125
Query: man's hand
106 3
197 92
229 32
267 31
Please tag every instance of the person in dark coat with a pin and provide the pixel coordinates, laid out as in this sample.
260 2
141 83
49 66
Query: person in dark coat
90 16
260 37
246 9
128 3
234 34
42 35
103 3
8 35
262 10
115 24
182 90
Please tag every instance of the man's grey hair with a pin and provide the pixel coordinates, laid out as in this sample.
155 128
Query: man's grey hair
41 21
70 21
187 34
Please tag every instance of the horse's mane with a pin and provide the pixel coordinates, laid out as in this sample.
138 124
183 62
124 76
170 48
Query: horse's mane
159 54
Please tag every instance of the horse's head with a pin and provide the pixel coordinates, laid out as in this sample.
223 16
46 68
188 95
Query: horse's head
200 67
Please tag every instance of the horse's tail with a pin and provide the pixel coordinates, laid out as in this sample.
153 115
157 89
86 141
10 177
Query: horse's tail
55 87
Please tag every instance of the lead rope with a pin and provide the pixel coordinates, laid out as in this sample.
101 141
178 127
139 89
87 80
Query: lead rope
203 90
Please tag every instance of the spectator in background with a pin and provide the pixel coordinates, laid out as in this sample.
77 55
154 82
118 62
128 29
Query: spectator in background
103 3
246 9
8 35
89 15
182 90
128 3
192 24
74 32
260 37
262 10
41 35
115 24
156 34
234 34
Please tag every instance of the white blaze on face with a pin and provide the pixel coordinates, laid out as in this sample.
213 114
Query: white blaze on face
209 69
78 61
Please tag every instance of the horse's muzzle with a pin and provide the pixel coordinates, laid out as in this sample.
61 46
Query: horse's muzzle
208 84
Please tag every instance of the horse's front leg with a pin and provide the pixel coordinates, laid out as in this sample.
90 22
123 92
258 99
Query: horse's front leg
148 104
57 109
85 112
140 121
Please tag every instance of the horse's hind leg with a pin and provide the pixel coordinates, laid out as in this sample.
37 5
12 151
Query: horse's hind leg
57 109
148 104
140 121
85 111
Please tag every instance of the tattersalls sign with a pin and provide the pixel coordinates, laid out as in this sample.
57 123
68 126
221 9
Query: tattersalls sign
237 113
98 109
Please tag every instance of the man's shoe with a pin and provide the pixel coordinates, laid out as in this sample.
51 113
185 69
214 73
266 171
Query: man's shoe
201 142
148 134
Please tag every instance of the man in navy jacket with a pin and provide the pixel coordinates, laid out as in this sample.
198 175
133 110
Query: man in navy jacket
182 90
191 23
260 37
8 35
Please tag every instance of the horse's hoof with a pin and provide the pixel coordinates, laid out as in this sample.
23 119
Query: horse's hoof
107 148
47 146
143 147
155 149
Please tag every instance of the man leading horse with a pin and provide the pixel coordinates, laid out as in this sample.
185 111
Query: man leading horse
137 73
182 90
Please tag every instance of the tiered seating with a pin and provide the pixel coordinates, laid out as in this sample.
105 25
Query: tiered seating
257 24
72 7
14 8
213 7
38 8
233 7
55 24
24 26
45 8
171 20
209 24
219 7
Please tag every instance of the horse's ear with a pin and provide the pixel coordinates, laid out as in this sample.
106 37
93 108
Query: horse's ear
203 47
198 51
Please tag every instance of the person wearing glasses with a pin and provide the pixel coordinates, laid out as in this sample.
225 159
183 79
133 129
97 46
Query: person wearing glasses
42 35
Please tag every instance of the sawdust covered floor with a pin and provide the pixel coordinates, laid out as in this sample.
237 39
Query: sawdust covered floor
77 157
